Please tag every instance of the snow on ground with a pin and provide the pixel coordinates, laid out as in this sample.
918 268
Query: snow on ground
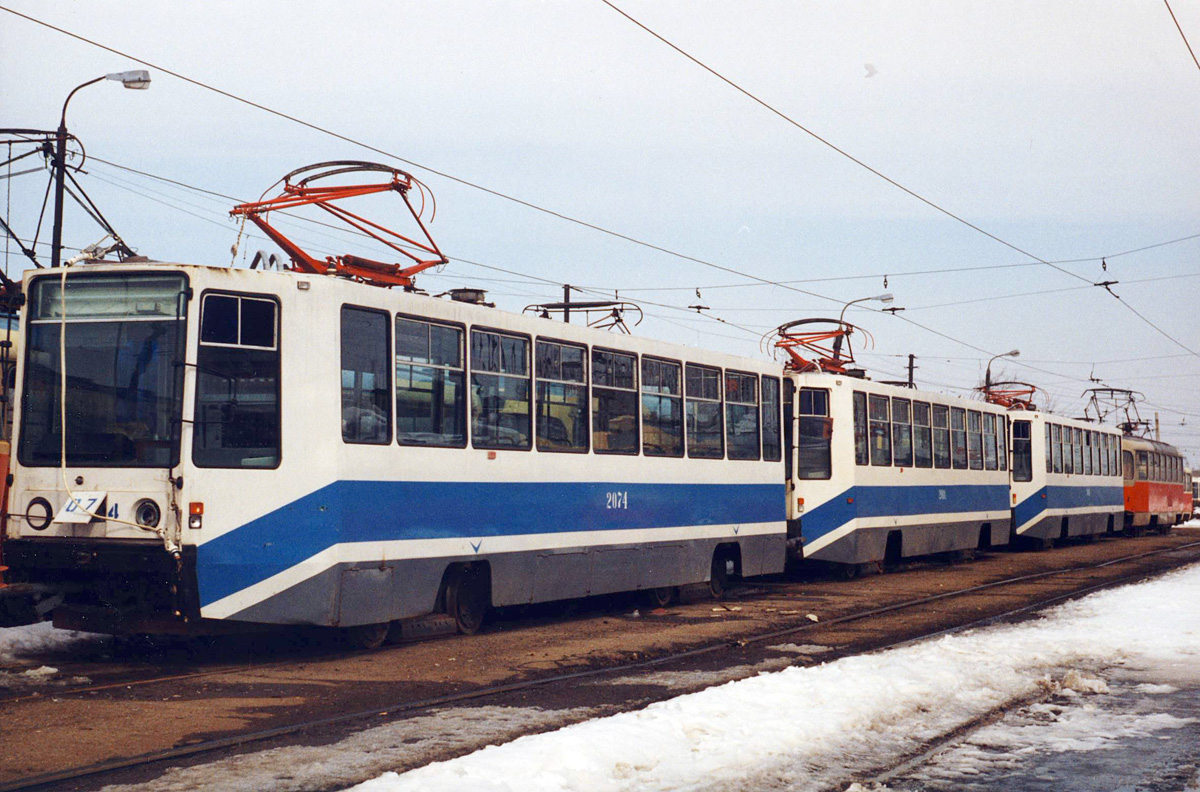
811 728
374 750
679 680
42 639
1052 727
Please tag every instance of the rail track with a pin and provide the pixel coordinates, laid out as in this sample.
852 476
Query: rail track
400 708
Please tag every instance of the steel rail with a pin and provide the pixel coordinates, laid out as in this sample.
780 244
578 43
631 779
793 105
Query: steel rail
233 741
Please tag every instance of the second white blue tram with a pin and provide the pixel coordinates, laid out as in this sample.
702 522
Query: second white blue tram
888 472
1066 478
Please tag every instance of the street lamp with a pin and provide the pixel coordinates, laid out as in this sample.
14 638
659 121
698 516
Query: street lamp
138 80
884 298
987 379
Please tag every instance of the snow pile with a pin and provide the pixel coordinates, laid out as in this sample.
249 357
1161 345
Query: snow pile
1040 729
305 767
42 639
806 727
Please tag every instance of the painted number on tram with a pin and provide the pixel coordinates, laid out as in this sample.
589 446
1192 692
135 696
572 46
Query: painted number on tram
617 500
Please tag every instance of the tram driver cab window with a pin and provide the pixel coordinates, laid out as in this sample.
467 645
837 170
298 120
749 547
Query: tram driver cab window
237 383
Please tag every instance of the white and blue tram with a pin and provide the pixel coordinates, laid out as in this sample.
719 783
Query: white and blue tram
1066 478
885 472
282 448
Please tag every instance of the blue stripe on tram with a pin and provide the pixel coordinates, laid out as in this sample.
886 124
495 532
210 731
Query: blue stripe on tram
1068 497
902 501
369 511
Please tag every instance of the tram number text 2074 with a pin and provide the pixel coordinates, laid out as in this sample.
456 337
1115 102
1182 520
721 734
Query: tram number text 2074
617 500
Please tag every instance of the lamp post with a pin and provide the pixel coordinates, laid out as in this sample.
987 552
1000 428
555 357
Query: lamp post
137 80
987 379
884 298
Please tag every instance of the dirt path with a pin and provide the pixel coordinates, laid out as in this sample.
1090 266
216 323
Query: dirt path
241 687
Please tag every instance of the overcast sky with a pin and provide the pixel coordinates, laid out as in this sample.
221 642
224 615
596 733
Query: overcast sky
1067 130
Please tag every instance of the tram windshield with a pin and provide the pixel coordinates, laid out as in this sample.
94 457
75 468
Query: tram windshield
124 336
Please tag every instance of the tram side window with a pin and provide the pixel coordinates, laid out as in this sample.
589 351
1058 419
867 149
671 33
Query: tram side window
1155 467
902 450
1002 442
1057 445
1127 465
1022 467
1102 447
1077 440
990 450
1049 450
702 404
862 446
958 437
562 417
816 429
941 436
922 436
614 402
881 434
975 440
431 395
1087 452
500 414
1143 466
366 382
1097 464
1068 444
237 383
741 414
1116 454
772 450
662 408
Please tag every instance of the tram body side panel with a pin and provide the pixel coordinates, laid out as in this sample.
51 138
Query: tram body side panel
1057 504
849 518
1145 500
367 536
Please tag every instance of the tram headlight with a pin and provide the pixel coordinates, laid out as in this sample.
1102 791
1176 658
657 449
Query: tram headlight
39 513
147 513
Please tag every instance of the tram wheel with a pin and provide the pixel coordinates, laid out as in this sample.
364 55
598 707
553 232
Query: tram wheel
368 636
467 598
660 597
718 578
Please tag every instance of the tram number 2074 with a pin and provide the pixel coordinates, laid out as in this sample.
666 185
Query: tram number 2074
617 500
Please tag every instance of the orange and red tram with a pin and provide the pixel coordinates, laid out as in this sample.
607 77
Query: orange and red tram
1156 497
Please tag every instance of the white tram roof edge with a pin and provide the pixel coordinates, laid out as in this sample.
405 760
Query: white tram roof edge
347 292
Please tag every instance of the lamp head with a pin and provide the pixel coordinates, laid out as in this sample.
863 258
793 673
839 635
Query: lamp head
1014 353
885 298
138 80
